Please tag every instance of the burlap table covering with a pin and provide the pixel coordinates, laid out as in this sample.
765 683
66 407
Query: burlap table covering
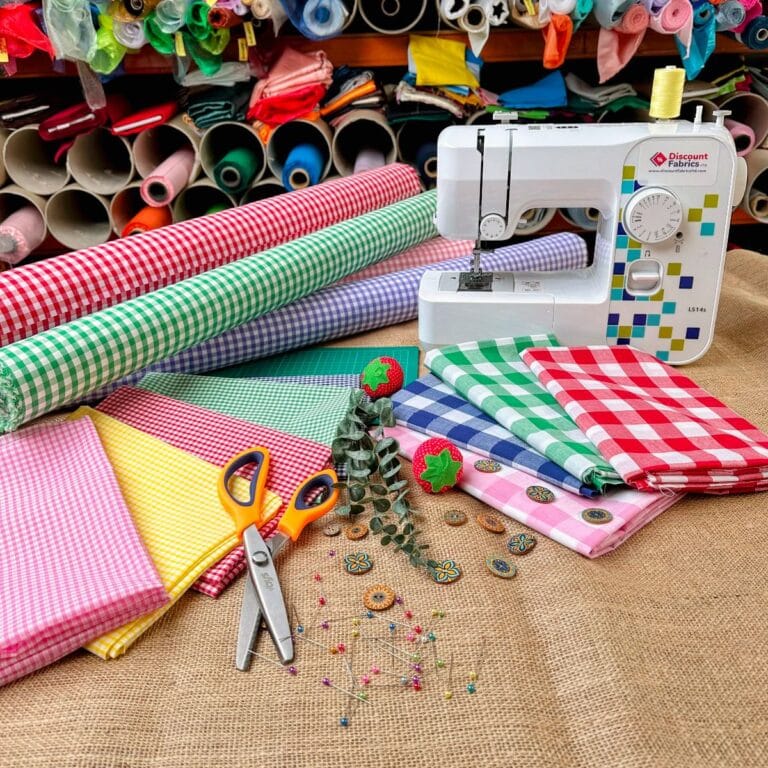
654 655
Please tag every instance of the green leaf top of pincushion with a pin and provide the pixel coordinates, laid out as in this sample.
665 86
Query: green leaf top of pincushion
442 470
375 373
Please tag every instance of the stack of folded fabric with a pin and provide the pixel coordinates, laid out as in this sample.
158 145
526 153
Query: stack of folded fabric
209 106
293 88
597 100
351 89
216 438
72 563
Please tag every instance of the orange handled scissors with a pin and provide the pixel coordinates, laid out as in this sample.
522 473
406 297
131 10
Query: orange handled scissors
263 596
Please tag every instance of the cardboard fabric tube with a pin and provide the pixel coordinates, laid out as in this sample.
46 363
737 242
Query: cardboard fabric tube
169 178
362 129
450 11
755 201
263 189
30 162
534 220
583 218
154 145
285 138
101 162
78 218
241 144
124 205
147 219
3 173
199 199
413 135
750 109
392 17
22 224
688 109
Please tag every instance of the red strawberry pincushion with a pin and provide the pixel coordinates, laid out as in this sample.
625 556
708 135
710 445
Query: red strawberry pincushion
437 465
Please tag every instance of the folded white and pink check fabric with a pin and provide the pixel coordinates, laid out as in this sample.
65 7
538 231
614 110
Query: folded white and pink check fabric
656 427
72 564
620 512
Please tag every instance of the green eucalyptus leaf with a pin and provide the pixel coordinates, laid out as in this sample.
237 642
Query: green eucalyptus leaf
358 474
397 485
356 509
360 455
376 524
377 488
399 539
380 505
385 540
392 472
356 492
401 507
390 529
343 511
408 529
384 445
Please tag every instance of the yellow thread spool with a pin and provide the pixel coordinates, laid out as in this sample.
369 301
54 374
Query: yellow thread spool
667 93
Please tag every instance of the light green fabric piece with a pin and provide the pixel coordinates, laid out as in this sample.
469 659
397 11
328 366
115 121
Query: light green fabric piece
51 369
491 375
298 409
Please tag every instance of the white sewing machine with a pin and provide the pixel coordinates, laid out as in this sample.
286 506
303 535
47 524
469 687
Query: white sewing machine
664 191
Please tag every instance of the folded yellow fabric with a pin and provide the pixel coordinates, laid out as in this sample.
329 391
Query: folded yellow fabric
440 62
174 503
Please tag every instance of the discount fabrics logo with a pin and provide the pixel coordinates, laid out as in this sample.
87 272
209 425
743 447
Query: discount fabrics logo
681 160
659 159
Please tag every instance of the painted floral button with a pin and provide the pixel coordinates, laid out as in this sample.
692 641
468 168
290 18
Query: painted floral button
487 465
455 517
491 522
357 562
379 597
596 516
540 494
501 566
356 531
445 572
521 543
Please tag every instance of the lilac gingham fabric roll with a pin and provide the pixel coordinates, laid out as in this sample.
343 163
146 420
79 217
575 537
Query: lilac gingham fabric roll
349 308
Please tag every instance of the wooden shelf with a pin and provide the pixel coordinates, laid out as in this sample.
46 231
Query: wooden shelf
377 50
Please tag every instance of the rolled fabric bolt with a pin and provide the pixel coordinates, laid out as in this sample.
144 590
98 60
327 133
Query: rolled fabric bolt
743 137
131 34
655 7
615 47
391 17
557 38
584 218
675 18
169 15
477 26
169 178
147 219
223 18
303 167
426 163
753 9
610 12
561 7
133 7
20 234
323 18
452 10
236 170
368 159
755 35
261 9
521 17
729 15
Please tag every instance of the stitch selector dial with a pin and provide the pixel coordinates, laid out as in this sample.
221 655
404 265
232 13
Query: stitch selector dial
652 215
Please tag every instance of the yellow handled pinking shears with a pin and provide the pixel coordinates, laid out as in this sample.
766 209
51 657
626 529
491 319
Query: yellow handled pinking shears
263 596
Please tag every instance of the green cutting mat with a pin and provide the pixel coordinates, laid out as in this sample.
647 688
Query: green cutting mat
324 361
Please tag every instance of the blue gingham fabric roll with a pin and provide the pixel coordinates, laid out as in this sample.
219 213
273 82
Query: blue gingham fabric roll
348 308
428 405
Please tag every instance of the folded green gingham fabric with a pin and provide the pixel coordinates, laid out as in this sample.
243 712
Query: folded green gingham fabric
491 375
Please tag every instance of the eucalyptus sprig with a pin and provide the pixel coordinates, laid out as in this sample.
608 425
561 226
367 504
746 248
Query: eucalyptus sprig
373 476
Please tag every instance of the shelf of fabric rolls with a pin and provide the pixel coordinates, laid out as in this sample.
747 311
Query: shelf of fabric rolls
376 50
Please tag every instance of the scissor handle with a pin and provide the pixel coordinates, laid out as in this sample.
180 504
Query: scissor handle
300 511
248 512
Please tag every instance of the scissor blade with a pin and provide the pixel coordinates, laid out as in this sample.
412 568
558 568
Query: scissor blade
250 620
263 575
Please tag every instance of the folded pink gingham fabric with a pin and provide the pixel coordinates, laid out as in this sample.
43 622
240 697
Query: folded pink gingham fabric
72 565
656 427
216 438
619 513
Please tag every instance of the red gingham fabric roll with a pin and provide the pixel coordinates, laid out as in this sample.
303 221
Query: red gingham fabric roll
35 297
216 438
656 427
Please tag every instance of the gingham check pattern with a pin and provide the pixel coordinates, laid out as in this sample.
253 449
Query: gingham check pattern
348 380
216 438
429 406
561 519
39 296
343 310
174 503
60 365
305 411
656 426
72 564
491 375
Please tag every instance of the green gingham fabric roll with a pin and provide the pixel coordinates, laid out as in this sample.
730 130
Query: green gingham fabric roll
58 366
491 375
298 409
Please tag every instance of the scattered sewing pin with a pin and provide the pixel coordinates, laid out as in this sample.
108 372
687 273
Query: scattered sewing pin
291 670
357 563
521 543
328 683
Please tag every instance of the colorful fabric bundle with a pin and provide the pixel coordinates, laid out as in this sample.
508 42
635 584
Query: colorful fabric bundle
72 564
492 376
659 429
22 34
58 366
309 412
174 504
216 438
429 406
343 310
565 518
617 46
43 295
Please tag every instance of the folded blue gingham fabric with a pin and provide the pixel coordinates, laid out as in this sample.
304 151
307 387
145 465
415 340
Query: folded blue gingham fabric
429 406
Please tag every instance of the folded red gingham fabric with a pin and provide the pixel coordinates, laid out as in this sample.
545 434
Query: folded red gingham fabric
216 438
656 427
72 564
48 293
